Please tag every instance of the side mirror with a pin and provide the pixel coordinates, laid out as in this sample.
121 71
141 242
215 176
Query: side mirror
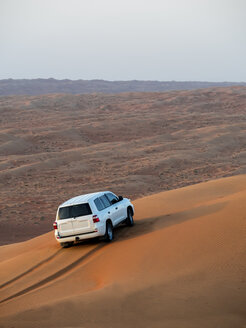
114 201
120 198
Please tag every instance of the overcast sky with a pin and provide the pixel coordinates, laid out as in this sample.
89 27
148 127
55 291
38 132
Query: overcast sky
199 40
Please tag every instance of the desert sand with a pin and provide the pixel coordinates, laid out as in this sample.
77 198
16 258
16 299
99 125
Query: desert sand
183 264
53 147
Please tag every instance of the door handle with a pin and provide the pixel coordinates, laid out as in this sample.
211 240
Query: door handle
116 208
108 212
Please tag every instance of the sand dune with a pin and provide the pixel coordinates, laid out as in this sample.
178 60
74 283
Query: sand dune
55 146
182 265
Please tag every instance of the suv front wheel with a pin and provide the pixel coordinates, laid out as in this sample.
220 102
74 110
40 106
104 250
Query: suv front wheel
129 219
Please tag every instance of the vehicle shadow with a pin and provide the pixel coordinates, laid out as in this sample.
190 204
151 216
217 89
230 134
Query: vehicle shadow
148 225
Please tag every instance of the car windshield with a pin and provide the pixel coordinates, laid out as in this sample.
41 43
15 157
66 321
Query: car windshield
74 211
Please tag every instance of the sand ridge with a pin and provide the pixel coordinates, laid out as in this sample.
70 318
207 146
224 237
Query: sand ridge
182 264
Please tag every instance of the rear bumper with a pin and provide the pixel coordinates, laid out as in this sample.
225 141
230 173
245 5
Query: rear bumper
88 235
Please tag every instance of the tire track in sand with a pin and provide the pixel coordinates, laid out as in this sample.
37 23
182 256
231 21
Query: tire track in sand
54 275
29 270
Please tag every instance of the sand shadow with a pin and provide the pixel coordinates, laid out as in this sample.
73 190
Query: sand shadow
151 224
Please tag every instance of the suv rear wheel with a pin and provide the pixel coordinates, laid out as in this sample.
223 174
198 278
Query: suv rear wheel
109 234
67 244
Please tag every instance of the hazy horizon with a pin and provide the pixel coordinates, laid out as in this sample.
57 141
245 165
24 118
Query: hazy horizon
81 79
124 40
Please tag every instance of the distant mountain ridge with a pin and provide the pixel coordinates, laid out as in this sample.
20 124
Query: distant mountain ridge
46 86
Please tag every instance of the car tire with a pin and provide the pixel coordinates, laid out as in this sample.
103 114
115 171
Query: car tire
129 219
67 244
109 234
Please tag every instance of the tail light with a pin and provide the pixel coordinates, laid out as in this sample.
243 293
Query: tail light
55 225
95 218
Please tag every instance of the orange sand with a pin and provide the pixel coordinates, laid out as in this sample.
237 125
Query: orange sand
181 265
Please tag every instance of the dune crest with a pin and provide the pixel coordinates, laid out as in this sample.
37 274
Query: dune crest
183 264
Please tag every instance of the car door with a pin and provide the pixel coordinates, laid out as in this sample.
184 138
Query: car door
116 207
107 208
104 213
121 210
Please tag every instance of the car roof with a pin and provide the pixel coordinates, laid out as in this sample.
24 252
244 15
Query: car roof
82 198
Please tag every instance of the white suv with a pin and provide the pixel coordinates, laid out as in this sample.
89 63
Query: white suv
91 215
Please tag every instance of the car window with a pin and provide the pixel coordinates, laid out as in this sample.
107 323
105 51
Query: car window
80 210
99 204
105 201
74 211
112 197
63 213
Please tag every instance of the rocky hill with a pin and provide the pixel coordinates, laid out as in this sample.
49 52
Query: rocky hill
45 86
